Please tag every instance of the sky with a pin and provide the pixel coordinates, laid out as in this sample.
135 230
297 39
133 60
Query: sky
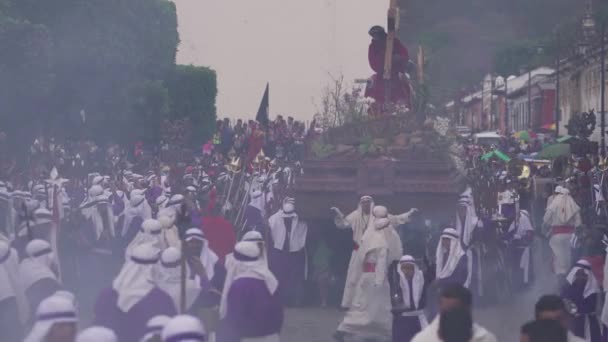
297 46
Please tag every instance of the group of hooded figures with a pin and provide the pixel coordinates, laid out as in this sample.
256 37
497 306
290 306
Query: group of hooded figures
141 258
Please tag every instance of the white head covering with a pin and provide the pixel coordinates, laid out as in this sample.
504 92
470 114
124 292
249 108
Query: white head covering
96 334
380 211
591 286
562 210
167 217
465 229
299 229
67 295
208 256
50 311
7 260
257 201
184 328
135 279
161 201
176 201
246 264
252 235
445 268
37 265
168 278
148 234
417 283
136 209
155 326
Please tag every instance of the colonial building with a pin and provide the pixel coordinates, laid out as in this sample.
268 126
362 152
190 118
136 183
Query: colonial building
491 108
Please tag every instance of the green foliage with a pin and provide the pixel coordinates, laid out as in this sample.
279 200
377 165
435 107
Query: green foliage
149 106
112 59
192 93
321 150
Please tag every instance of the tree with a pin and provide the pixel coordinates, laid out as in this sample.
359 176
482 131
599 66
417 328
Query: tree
192 94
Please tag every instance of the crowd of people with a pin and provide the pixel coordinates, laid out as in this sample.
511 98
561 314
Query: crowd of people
129 247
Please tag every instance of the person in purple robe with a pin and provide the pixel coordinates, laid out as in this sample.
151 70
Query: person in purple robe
184 328
409 319
287 251
134 297
38 277
582 289
10 294
451 260
253 218
520 237
55 321
251 308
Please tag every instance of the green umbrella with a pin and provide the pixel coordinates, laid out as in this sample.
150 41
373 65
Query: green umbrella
523 135
554 151
498 154
563 139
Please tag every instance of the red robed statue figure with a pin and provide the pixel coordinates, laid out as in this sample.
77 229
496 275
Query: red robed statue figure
399 85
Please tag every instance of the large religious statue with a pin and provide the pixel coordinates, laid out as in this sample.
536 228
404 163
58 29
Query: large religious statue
399 87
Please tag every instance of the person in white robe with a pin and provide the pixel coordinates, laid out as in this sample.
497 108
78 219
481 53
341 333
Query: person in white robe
561 219
154 328
56 321
134 216
359 220
12 301
168 278
467 223
37 274
170 235
96 334
150 233
369 316
184 328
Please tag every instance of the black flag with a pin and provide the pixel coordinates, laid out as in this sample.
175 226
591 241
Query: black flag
263 116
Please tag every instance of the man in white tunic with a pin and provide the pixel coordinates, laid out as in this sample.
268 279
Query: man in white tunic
359 220
369 316
561 219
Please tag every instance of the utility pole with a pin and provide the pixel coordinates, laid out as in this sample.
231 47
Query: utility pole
603 90
507 106
557 86
529 98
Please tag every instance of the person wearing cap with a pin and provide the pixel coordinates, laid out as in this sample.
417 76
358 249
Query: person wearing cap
154 328
96 334
369 316
169 236
253 217
184 328
409 318
11 297
583 289
399 87
38 277
250 308
134 297
562 217
55 321
287 251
